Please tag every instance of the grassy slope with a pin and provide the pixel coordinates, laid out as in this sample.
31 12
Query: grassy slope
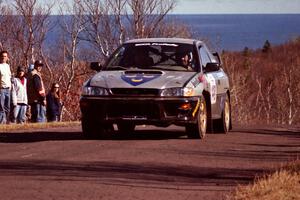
14 127
265 86
282 184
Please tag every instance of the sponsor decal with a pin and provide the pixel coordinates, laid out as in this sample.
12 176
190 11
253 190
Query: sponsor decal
156 44
195 82
196 108
199 79
138 79
202 79
213 88
220 74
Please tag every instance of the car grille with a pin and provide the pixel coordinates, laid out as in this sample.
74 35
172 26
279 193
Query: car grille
148 110
135 91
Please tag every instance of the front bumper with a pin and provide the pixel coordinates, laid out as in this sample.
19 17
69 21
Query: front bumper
140 110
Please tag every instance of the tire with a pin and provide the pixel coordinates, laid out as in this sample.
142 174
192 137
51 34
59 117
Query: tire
223 125
126 127
199 129
93 130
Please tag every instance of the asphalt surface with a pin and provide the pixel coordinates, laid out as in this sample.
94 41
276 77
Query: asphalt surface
152 163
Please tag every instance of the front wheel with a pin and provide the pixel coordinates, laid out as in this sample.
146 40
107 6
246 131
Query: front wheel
126 127
93 130
198 130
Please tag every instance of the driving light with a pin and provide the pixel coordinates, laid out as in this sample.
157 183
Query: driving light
188 92
171 92
94 91
185 106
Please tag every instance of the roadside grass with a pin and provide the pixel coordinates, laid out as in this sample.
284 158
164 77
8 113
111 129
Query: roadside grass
20 127
284 184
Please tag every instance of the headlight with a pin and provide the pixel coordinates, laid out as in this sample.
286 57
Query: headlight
169 92
94 91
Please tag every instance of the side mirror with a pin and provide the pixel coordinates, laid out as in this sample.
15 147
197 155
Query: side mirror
212 67
96 66
217 57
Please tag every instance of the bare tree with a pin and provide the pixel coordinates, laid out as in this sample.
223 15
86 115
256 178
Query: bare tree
263 99
111 22
238 86
31 29
7 41
4 19
147 16
290 80
104 29
118 7
72 26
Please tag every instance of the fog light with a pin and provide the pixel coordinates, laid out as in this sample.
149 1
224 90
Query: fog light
185 106
84 104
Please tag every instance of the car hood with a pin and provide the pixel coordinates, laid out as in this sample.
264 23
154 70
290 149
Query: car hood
141 79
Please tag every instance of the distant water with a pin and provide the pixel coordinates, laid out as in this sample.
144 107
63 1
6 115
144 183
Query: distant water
235 31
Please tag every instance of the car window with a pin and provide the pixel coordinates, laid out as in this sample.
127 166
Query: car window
164 56
204 56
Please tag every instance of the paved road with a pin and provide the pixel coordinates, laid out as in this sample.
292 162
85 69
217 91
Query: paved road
151 164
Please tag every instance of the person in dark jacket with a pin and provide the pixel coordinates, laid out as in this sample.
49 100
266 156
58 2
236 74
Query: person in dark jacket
36 93
54 104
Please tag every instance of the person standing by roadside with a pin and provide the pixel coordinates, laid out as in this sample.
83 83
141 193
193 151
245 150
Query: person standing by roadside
19 96
5 87
36 93
54 104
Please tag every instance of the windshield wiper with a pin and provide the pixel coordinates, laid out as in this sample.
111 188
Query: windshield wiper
163 68
116 68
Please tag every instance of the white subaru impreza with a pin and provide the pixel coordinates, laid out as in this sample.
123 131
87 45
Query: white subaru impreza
157 81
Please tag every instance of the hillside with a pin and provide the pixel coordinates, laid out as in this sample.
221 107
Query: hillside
264 84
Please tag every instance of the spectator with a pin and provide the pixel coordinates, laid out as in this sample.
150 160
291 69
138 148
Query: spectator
28 111
54 104
19 96
36 93
5 87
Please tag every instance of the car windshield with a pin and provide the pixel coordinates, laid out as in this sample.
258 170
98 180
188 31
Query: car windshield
163 56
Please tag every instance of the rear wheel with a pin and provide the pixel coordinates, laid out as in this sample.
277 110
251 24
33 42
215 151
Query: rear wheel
198 130
223 125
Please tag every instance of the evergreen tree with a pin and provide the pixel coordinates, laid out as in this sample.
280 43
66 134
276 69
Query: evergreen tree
245 52
267 47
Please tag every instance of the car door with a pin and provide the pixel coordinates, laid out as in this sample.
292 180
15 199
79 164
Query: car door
214 81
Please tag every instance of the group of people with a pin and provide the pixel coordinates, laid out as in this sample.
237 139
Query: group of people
23 97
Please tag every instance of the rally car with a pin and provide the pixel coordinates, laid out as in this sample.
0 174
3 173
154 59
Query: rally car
157 81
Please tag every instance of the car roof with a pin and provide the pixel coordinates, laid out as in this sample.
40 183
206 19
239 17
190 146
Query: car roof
164 40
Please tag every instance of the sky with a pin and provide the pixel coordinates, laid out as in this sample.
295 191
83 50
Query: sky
237 6
229 6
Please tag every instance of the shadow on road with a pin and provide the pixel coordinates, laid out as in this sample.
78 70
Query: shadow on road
275 132
129 174
149 135
18 137
38 136
140 134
